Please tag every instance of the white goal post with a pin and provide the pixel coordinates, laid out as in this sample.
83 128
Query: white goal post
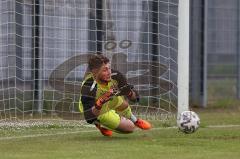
183 55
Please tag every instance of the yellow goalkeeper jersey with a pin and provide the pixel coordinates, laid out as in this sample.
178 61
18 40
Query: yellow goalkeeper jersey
91 90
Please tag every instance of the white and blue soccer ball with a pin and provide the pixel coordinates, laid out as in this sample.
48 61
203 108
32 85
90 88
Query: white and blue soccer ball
188 122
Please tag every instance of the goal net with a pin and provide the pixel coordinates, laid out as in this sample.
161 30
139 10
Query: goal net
45 45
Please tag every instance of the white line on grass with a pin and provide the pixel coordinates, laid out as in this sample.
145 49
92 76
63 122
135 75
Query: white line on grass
87 131
222 126
42 135
63 133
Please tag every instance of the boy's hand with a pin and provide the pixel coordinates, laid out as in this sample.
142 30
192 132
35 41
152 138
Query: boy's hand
125 90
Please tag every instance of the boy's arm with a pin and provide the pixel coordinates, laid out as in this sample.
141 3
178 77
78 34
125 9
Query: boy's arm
88 95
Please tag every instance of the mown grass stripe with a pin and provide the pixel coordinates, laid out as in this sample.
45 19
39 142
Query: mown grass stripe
87 131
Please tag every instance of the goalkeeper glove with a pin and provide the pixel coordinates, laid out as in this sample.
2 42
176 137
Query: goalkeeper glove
125 90
128 91
103 99
136 98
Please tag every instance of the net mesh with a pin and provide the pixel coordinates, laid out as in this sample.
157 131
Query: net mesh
45 44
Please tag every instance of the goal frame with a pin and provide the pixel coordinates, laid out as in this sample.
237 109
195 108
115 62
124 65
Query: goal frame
183 55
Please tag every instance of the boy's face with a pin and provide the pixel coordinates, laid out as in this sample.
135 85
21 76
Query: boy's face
103 74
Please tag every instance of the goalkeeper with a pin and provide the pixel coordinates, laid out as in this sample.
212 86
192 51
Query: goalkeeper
102 99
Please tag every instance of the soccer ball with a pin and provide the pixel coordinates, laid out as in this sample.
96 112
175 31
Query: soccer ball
188 122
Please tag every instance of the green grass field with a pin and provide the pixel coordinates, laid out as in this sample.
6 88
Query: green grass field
58 142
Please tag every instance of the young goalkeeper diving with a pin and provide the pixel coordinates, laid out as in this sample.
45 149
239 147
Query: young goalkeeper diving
102 99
